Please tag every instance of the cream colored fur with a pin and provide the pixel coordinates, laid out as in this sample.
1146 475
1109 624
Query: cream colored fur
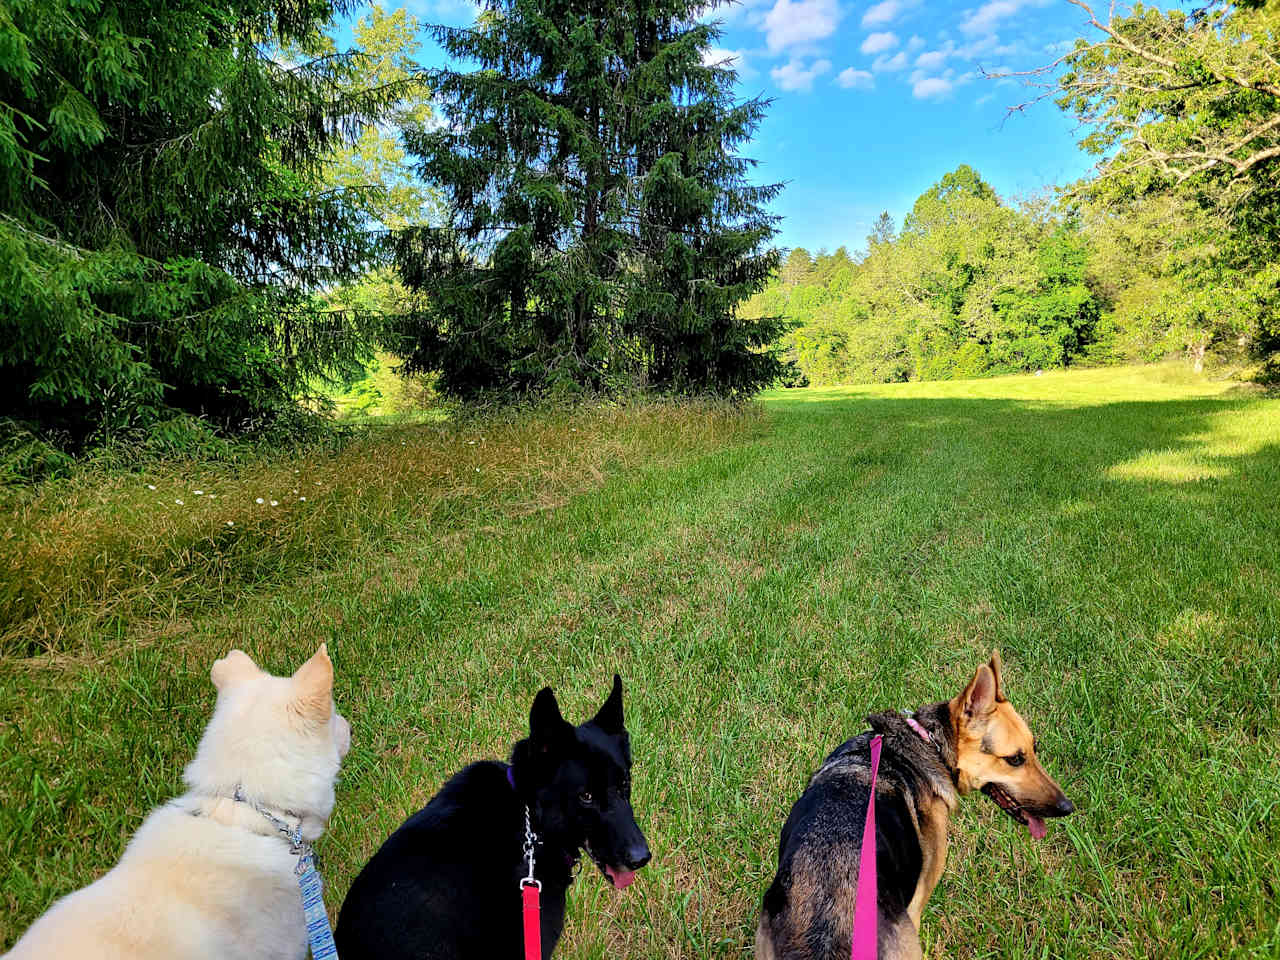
206 876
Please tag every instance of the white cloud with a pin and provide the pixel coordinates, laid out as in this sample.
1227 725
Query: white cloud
797 23
733 59
887 64
880 13
851 79
879 42
986 18
886 12
985 98
928 87
794 75
934 59
915 43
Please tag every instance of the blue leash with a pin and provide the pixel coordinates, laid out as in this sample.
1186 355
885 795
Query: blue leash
318 933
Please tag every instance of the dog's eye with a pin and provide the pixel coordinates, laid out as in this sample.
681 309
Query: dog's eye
584 798
1017 760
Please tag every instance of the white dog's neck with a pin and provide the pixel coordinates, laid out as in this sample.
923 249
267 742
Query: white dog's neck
243 813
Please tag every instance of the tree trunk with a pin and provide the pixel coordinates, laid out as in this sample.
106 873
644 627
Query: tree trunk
1197 354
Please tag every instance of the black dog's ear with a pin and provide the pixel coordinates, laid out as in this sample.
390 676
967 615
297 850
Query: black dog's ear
546 726
609 718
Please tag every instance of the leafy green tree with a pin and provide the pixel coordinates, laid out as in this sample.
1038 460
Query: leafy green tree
600 227
798 267
1185 105
162 218
388 45
970 287
883 231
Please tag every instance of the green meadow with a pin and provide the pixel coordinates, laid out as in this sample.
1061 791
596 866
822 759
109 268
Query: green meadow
762 579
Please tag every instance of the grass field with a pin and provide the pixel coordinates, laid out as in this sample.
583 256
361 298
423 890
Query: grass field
762 581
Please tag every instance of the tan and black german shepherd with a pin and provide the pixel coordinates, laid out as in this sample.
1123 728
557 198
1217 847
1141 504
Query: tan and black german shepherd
975 742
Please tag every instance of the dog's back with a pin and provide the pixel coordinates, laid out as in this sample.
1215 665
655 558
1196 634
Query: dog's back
171 894
808 909
445 883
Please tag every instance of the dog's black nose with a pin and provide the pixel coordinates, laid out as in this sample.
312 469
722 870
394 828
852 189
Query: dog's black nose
638 855
1064 807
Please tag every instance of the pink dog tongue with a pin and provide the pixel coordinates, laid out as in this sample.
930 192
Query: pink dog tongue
1036 826
621 878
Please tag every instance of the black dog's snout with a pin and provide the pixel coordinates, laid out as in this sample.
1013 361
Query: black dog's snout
638 855
1064 807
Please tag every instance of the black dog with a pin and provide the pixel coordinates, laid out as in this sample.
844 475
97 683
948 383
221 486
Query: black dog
446 884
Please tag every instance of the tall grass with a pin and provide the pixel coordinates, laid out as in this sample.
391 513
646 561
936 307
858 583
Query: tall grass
178 537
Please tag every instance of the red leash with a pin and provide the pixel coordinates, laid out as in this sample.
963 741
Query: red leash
530 892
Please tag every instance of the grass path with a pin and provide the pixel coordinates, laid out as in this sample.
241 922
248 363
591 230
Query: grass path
1115 533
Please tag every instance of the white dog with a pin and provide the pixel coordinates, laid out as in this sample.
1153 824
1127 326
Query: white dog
211 873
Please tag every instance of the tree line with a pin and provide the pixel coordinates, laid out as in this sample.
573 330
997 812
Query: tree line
206 209
207 212
1170 248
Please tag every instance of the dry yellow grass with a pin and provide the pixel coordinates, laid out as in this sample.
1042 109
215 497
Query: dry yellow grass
165 540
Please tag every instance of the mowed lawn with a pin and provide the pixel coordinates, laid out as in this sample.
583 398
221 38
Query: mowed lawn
761 583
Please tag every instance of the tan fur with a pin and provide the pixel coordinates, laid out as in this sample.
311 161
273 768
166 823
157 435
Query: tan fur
932 822
981 713
764 942
206 876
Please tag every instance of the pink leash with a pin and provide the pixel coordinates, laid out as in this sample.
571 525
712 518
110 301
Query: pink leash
865 914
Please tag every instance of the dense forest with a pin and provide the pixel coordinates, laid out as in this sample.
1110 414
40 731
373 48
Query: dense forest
210 216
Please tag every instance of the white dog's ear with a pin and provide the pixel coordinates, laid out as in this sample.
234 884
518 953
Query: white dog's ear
313 686
231 669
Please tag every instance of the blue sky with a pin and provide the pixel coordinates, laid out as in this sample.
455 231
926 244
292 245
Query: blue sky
875 101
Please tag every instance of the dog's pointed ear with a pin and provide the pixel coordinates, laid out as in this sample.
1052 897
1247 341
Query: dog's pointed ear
231 669
313 686
979 697
995 666
546 726
609 717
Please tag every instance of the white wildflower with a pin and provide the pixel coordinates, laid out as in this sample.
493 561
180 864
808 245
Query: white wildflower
231 523
259 500
151 486
303 499
198 493
275 503
178 502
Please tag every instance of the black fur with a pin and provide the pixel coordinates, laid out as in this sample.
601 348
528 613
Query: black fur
446 884
823 836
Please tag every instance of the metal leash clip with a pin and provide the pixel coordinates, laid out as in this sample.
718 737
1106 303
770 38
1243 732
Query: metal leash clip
530 841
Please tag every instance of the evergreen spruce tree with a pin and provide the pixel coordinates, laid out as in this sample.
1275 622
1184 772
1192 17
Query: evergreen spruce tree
601 230
164 223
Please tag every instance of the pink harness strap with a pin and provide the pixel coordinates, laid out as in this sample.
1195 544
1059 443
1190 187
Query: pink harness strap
865 914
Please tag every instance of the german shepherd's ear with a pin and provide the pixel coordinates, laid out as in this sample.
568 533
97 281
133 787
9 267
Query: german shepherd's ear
979 697
546 726
994 664
609 718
